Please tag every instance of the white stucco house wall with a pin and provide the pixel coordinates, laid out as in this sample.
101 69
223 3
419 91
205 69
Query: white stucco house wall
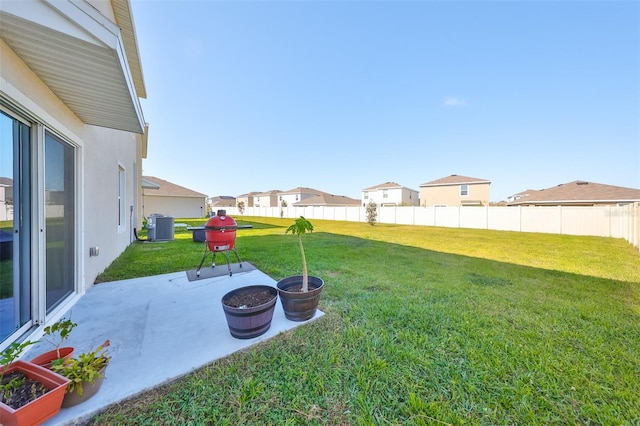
71 121
266 199
390 194
296 195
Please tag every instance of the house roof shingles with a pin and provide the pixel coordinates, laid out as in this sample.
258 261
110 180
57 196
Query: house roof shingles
168 189
455 180
301 190
579 192
325 199
386 185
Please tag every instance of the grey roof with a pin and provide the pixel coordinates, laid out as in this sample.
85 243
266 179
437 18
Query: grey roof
455 180
579 191
302 190
267 193
387 185
168 189
325 199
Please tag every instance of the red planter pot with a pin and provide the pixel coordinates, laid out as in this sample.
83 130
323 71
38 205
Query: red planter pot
41 409
47 358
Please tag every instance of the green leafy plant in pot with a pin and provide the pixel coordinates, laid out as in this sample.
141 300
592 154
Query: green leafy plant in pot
56 334
29 393
86 372
300 294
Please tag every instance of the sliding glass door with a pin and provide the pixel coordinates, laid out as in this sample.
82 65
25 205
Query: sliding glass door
59 190
27 297
15 226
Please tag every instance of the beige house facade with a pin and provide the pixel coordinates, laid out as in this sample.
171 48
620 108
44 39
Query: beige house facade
455 190
71 120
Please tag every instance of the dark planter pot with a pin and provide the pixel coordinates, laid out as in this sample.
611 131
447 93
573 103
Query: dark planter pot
88 390
247 323
299 306
45 359
41 409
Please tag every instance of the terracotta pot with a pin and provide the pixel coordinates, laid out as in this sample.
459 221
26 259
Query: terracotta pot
41 409
299 306
47 358
88 390
246 323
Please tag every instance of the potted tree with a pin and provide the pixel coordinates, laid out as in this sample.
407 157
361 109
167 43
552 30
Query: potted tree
29 393
56 334
249 310
85 372
300 294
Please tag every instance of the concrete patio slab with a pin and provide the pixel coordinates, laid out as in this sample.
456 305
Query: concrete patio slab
161 328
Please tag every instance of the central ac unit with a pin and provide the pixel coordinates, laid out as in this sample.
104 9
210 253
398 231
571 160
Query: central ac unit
160 228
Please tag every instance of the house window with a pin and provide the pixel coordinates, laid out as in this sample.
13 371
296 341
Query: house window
122 199
366 195
385 193
464 190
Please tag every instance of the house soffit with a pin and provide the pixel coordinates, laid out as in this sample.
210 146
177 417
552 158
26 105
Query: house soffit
79 54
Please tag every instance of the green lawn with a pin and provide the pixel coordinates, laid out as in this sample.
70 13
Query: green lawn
423 326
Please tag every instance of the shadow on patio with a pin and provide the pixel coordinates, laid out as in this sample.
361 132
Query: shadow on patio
161 328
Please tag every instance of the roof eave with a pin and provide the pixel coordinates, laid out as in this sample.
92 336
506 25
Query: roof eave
80 55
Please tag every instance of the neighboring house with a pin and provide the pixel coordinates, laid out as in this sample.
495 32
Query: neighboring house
296 195
247 199
577 193
214 203
390 194
70 83
520 195
266 199
6 198
455 190
328 200
169 199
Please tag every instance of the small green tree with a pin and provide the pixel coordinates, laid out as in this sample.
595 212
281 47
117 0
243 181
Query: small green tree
62 329
241 207
372 213
300 227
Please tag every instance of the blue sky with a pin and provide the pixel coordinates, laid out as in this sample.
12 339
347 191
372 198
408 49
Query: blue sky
343 95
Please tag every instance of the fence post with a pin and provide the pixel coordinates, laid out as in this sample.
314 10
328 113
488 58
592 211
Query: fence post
560 214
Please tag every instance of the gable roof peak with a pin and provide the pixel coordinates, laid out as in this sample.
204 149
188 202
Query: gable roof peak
455 180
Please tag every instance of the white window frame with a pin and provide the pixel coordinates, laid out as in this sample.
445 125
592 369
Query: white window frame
122 198
464 190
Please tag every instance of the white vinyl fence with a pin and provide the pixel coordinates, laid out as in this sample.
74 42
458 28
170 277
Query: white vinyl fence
599 221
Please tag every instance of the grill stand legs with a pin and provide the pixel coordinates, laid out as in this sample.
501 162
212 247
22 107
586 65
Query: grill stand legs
213 260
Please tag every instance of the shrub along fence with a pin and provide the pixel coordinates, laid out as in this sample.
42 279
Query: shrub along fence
599 221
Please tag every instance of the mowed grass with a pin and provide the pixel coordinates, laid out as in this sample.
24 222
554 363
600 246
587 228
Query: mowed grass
423 326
